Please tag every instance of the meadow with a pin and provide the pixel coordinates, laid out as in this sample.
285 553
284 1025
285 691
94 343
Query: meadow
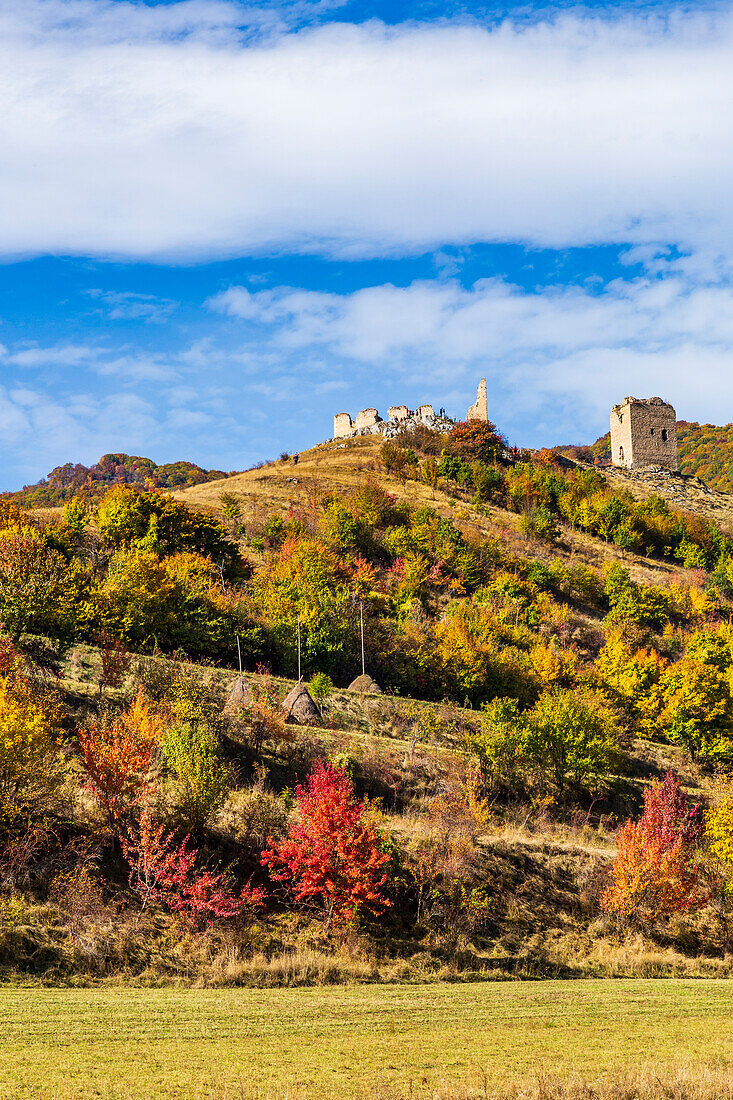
457 1040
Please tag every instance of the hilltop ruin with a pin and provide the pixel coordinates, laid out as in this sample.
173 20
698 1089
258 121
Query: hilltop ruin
368 421
643 433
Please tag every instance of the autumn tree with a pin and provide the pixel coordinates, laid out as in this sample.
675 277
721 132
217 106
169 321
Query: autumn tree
573 738
31 770
655 873
333 856
118 756
199 777
477 439
37 585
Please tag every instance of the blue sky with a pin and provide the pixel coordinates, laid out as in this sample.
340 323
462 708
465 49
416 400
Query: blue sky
222 223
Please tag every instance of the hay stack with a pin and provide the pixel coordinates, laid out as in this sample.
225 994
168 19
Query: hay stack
239 698
300 707
365 685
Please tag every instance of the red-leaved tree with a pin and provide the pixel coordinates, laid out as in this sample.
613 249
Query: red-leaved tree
332 856
118 756
655 872
164 871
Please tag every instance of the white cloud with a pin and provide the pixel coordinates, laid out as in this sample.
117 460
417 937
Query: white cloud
151 131
551 356
129 306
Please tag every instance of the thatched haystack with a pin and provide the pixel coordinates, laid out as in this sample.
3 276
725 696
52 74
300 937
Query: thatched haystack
365 685
300 707
239 698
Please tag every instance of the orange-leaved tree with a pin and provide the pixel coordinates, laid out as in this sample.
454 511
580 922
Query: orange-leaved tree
118 755
332 856
655 871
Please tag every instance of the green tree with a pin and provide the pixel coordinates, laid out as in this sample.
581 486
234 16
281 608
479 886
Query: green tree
574 739
200 778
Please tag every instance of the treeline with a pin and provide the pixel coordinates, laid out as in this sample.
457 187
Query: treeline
65 482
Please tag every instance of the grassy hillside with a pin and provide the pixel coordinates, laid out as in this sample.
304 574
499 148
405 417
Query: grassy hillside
65 482
703 450
549 644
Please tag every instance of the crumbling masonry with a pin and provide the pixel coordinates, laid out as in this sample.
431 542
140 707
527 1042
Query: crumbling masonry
643 433
369 420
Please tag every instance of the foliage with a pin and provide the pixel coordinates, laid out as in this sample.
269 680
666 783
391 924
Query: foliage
477 439
68 482
39 590
333 855
128 518
114 658
499 745
655 873
698 709
321 687
163 871
573 738
201 778
30 769
118 756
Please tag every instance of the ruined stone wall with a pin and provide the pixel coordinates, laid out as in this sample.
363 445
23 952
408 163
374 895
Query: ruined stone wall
480 409
424 411
367 418
398 412
343 425
644 433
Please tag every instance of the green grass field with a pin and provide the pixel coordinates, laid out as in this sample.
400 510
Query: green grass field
353 1041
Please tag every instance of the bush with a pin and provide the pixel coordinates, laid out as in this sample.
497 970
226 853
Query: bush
573 739
31 772
200 777
654 874
321 687
332 857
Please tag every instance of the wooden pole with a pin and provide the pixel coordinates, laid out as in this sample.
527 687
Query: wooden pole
299 675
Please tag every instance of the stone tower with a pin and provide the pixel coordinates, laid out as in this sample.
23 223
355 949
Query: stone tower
479 410
643 433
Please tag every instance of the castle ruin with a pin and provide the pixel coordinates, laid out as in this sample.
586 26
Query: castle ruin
643 433
480 409
369 421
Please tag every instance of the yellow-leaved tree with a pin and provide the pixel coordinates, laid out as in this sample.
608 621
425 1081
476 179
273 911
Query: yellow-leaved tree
31 770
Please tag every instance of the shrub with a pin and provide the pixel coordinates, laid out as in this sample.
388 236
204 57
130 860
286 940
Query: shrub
200 776
117 755
321 687
574 739
332 856
499 745
655 874
162 871
30 769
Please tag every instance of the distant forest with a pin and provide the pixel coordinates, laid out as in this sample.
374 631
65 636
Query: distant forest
702 449
65 482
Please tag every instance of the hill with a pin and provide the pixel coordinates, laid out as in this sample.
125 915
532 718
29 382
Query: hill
703 450
547 645
65 482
